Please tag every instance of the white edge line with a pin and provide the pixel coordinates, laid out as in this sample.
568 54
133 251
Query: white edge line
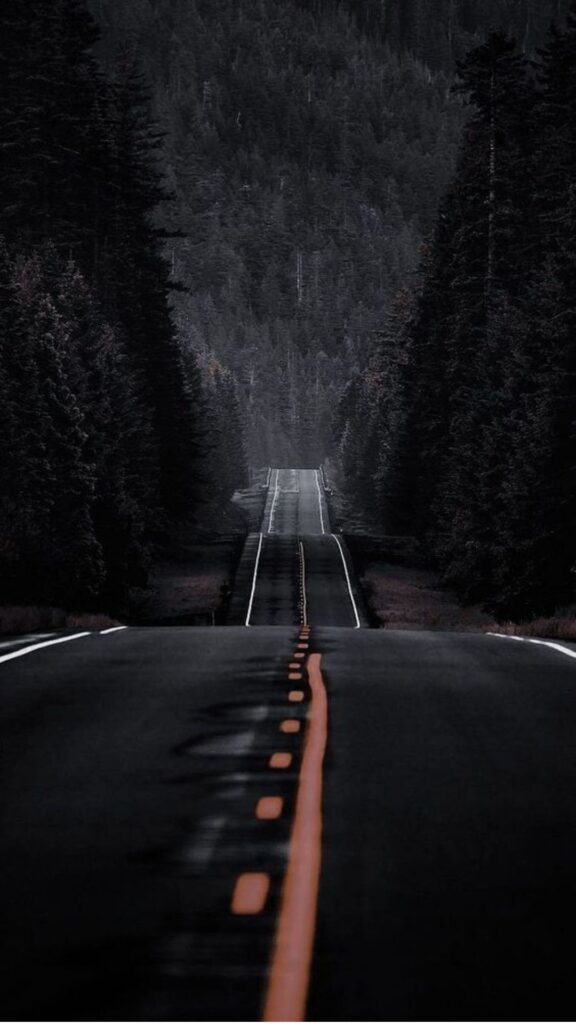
320 502
254 580
274 500
540 643
16 641
506 636
342 555
37 647
304 597
113 629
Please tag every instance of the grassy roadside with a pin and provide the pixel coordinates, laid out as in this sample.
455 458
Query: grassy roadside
402 592
15 619
557 627
404 596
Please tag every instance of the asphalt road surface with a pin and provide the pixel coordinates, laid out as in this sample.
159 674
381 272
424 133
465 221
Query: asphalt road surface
162 802
296 570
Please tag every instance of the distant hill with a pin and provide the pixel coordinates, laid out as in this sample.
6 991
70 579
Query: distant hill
308 143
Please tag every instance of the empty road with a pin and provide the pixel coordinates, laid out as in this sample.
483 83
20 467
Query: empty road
297 820
296 570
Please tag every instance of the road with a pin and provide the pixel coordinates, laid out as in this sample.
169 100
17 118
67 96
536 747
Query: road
162 791
296 570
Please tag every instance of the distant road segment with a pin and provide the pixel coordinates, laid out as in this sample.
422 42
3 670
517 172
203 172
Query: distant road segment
296 570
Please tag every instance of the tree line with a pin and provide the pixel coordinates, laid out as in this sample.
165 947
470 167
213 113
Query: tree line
462 431
103 419
440 31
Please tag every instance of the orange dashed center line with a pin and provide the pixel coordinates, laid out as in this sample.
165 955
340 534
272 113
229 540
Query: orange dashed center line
250 893
294 675
290 725
290 967
269 808
280 760
298 654
294 664
302 647
296 696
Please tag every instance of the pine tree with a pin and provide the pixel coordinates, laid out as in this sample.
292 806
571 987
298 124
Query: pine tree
137 287
536 525
487 265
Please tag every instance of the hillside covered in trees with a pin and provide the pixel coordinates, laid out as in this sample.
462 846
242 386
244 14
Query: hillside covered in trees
308 144
462 430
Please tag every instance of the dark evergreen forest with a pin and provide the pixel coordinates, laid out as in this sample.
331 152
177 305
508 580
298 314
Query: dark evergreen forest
258 231
308 144
103 418
461 431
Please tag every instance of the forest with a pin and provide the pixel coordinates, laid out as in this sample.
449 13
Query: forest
461 431
238 232
308 145
105 424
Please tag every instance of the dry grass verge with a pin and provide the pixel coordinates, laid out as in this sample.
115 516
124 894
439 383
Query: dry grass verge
558 627
400 597
15 620
192 587
181 596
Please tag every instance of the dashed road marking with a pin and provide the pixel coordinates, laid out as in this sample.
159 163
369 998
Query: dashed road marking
28 639
303 597
290 725
37 647
250 893
269 808
280 760
296 696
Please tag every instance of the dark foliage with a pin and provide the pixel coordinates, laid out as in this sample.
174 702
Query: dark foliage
307 159
308 144
100 434
482 461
